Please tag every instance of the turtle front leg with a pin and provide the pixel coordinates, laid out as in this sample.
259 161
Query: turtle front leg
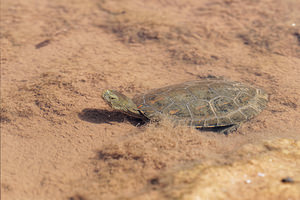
230 129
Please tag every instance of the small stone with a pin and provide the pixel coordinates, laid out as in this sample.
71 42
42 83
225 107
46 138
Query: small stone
287 180
260 174
248 181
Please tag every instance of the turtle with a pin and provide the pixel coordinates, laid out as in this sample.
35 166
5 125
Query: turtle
200 103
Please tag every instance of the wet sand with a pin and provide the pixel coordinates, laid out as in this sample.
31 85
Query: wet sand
60 140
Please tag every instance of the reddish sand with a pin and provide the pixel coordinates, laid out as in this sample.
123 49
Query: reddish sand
60 140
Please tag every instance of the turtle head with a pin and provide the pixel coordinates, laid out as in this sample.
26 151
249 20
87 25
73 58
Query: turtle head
122 103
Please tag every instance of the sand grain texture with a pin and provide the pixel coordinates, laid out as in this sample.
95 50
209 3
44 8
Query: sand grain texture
59 140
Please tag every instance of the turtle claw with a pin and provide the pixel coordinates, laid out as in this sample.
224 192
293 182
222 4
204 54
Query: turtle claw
230 129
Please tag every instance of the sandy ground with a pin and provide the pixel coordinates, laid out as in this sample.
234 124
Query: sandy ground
59 140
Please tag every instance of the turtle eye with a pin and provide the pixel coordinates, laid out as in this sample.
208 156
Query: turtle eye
112 97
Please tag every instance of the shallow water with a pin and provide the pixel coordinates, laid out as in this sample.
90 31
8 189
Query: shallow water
60 140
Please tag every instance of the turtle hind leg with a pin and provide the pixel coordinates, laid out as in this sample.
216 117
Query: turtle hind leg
229 129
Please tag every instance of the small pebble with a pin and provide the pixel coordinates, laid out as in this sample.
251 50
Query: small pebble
248 181
287 180
260 174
